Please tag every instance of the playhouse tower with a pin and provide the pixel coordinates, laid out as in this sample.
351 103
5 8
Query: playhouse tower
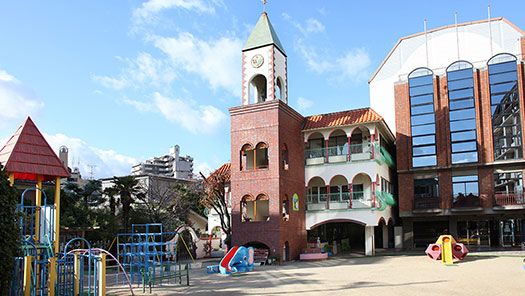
267 173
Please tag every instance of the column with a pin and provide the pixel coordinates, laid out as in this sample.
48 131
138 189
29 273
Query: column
326 151
101 262
327 197
372 142
57 215
369 241
351 195
349 157
38 204
385 236
52 275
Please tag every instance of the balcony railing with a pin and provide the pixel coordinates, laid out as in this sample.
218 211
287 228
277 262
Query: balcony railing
358 152
509 199
339 200
426 203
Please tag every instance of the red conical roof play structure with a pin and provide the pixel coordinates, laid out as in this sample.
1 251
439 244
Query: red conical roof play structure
28 155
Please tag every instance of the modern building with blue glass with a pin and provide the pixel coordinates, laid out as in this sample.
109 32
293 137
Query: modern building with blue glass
454 97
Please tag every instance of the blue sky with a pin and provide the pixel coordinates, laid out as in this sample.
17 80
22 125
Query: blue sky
122 81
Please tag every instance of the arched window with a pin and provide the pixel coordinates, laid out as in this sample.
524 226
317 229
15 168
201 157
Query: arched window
285 209
247 156
261 156
462 112
422 117
505 106
257 209
279 90
258 89
285 157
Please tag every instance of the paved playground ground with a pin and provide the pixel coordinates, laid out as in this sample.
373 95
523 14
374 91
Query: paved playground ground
382 275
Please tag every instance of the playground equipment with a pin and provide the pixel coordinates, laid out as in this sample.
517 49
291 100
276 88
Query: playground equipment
445 249
149 255
238 259
42 269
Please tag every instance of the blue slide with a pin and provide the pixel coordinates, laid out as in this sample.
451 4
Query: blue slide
238 259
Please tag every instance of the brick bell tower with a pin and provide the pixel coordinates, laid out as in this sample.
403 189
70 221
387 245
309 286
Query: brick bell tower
267 152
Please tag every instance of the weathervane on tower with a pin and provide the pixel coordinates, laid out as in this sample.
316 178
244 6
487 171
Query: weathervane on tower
264 5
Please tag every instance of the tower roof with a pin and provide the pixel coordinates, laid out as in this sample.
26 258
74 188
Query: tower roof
28 155
263 34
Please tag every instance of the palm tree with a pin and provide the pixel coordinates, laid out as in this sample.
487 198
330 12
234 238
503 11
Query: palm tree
128 188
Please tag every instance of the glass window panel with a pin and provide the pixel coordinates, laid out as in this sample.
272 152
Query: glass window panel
464 146
460 84
421 90
426 188
424 129
502 67
462 136
424 161
462 114
503 87
423 119
462 93
503 77
425 99
464 178
421 80
424 150
497 99
458 188
472 188
465 157
460 104
458 74
423 140
429 108
469 124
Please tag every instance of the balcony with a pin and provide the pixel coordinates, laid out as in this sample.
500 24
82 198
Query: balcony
426 203
338 154
338 201
509 199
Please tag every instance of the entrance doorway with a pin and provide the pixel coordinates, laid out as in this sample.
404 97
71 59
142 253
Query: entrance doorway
511 232
347 236
474 233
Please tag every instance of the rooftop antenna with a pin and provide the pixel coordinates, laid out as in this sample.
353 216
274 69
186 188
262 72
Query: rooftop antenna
264 5
490 30
91 171
457 32
426 38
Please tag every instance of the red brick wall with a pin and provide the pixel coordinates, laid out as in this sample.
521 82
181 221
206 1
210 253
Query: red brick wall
406 192
486 186
480 136
486 146
403 132
442 122
270 122
445 189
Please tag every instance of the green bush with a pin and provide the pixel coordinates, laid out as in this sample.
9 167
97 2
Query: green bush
10 246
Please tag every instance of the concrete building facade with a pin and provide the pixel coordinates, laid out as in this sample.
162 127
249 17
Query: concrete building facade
172 165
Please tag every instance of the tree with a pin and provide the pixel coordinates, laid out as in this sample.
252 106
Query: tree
128 189
169 201
10 246
214 197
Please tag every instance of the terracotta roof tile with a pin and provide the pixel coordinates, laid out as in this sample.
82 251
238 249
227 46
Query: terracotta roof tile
27 154
225 168
342 118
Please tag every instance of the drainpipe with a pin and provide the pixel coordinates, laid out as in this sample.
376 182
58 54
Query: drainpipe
349 156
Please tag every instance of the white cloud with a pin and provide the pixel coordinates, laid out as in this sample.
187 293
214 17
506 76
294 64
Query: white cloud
150 9
144 70
140 106
354 65
216 61
304 103
195 118
107 162
16 100
311 26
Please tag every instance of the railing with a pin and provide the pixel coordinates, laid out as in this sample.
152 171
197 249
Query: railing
426 203
339 200
358 152
509 199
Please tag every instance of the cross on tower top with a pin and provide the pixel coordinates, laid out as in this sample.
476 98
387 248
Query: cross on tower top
264 5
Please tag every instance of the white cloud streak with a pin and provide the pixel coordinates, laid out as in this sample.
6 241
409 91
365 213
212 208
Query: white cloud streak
107 162
216 61
310 26
304 103
17 101
148 11
144 70
198 119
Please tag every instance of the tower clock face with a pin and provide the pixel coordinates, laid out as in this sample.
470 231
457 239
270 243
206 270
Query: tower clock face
257 61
